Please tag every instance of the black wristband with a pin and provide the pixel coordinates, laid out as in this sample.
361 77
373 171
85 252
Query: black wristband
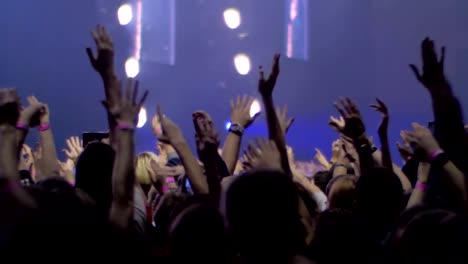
440 160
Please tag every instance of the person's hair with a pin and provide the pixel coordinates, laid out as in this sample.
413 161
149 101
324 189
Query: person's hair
197 234
167 207
321 179
379 200
144 170
336 236
427 235
262 209
94 173
341 192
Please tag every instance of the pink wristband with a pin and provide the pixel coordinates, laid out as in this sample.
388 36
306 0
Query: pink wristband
434 154
170 179
21 126
421 186
44 127
124 126
165 189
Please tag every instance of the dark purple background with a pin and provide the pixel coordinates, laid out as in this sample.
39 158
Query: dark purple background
357 48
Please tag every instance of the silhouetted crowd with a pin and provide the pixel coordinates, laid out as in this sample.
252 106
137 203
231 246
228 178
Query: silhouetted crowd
221 205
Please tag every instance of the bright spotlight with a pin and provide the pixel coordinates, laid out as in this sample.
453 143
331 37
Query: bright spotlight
132 67
232 18
125 14
255 108
142 117
228 125
242 63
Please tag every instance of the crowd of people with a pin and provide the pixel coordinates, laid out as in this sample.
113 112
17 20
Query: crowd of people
221 205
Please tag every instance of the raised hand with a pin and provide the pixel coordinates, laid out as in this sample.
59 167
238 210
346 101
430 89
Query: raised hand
380 107
266 86
283 119
9 106
321 159
125 110
75 148
404 149
264 156
240 111
206 134
422 140
103 63
170 132
31 115
337 123
432 76
354 126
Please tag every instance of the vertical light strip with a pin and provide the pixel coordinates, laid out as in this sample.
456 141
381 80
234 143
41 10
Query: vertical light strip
138 30
172 33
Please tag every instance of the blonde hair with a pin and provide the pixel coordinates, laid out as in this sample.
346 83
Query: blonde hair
143 168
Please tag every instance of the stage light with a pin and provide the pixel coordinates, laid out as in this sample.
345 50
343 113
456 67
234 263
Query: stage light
227 125
125 14
255 108
132 67
142 117
232 18
242 63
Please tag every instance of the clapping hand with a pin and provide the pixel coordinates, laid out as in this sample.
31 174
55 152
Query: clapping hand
9 106
422 140
170 132
206 134
404 149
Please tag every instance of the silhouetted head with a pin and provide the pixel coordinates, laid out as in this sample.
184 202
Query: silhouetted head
197 234
431 236
262 213
321 179
94 173
341 192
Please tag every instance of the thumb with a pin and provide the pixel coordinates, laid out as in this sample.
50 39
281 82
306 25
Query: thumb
91 58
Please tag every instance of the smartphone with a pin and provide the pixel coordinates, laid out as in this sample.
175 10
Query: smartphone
89 137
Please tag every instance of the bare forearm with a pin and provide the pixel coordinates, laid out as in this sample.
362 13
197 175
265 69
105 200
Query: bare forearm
123 180
275 133
231 150
192 168
405 182
209 159
49 154
418 194
456 180
9 166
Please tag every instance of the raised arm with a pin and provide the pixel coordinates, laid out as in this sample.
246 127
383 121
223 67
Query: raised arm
103 64
125 113
266 87
9 175
240 120
207 139
173 135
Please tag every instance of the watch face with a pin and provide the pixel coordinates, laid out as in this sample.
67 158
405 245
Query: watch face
235 127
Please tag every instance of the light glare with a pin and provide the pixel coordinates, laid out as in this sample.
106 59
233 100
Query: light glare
132 67
232 18
228 125
142 118
255 108
242 63
125 14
